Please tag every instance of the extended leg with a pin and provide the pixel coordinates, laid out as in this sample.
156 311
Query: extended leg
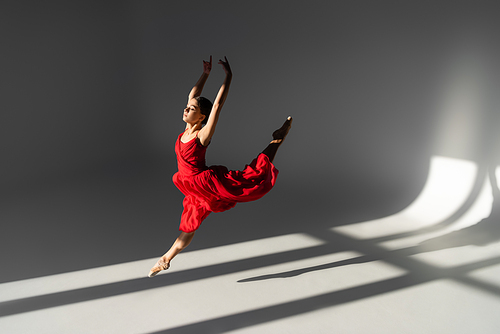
163 263
278 137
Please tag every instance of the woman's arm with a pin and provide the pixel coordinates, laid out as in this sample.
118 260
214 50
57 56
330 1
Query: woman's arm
205 134
198 87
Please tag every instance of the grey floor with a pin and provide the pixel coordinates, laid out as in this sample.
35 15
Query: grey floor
432 267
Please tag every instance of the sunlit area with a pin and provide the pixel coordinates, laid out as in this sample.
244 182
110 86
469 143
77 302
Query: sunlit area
135 270
219 290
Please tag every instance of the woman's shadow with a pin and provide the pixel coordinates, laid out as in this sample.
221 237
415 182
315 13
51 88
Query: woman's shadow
297 272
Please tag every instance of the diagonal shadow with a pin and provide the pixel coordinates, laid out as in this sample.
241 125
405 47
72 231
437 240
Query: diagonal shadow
398 257
141 284
298 307
289 309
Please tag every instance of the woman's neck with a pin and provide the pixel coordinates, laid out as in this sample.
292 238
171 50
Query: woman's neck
192 128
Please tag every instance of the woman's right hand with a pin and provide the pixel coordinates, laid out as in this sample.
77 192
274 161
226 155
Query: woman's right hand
207 66
225 66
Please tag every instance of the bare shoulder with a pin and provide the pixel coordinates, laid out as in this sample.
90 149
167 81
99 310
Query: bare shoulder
204 137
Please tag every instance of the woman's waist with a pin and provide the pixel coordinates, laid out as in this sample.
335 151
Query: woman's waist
188 173
191 169
201 183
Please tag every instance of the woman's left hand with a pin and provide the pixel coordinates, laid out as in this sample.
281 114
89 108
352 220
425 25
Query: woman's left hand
225 66
207 66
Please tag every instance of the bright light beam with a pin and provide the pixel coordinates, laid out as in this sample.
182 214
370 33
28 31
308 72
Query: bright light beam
202 300
139 269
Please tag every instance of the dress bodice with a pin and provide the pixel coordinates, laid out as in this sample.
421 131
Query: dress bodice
190 156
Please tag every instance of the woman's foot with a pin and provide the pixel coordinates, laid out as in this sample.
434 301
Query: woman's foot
280 134
162 264
278 137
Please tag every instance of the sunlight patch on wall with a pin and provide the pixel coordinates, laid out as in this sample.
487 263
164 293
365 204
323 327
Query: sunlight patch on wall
463 101
479 210
448 185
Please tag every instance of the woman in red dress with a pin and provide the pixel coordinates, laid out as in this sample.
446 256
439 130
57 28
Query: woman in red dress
214 188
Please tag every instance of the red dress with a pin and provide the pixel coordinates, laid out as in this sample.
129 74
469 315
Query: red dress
215 188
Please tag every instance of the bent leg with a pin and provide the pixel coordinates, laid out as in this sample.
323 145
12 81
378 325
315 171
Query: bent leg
278 137
271 150
180 243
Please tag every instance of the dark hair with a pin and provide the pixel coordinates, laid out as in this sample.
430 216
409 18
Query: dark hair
205 107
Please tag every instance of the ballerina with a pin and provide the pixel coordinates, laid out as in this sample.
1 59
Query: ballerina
214 188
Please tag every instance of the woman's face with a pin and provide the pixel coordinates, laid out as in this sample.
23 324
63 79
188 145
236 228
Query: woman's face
192 112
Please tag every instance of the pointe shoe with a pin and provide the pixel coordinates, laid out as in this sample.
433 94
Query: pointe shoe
159 266
280 134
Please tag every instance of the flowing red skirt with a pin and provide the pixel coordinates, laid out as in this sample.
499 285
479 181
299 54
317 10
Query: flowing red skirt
218 189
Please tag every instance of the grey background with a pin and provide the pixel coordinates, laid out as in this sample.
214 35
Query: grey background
92 96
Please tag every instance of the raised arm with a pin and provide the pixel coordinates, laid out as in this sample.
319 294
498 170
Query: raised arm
205 134
198 87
